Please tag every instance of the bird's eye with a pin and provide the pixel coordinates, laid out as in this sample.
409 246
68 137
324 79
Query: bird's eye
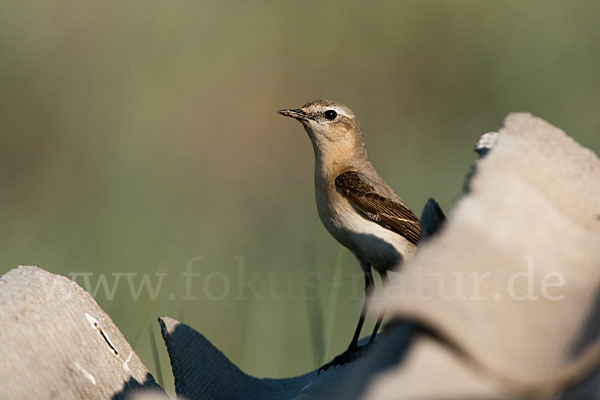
330 115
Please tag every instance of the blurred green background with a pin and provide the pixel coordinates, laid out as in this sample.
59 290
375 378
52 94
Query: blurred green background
137 136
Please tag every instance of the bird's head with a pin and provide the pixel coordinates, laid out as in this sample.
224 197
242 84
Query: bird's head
329 125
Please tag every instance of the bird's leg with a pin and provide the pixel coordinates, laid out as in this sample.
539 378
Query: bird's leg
363 313
353 351
380 319
376 328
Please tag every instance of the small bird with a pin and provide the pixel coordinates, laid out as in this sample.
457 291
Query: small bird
354 203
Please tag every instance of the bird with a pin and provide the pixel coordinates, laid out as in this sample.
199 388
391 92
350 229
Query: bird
356 206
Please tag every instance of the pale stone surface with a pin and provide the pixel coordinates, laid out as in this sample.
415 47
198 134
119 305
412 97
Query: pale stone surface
57 343
531 219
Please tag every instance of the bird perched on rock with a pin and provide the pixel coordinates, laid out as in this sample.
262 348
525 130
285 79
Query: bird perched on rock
354 203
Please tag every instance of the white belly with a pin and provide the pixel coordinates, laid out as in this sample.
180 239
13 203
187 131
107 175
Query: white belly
380 247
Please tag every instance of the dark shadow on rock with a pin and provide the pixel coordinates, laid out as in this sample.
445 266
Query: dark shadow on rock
432 219
201 371
589 387
388 351
590 331
132 386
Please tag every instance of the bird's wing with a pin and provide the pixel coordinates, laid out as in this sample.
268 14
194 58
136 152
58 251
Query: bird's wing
390 214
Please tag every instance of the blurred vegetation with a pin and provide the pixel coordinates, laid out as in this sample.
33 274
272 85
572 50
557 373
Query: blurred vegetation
136 135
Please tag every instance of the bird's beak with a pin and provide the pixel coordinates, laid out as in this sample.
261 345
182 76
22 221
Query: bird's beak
295 113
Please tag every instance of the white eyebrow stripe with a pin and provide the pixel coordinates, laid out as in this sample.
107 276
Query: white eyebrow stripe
338 110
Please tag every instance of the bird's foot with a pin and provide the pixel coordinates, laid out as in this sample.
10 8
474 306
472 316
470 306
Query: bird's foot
351 354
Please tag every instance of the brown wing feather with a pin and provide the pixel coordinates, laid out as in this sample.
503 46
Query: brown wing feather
390 214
